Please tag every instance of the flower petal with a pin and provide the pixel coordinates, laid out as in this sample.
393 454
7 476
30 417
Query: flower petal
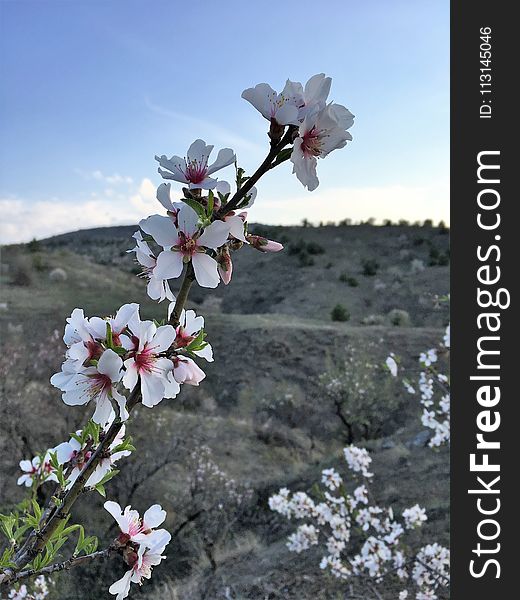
199 151
161 229
225 157
153 517
110 364
205 269
163 338
152 389
214 235
121 587
169 265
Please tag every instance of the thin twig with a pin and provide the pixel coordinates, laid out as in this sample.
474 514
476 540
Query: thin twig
73 561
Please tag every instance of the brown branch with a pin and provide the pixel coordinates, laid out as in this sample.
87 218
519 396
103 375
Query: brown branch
73 561
262 170
53 516
182 297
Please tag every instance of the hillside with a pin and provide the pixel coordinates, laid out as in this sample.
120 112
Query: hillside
262 412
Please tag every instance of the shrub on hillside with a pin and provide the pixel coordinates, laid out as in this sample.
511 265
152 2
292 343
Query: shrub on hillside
399 318
370 267
339 313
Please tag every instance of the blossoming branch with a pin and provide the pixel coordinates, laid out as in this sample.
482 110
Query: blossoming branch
114 363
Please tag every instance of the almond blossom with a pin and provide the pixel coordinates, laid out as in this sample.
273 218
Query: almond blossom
81 345
293 103
321 132
194 169
34 470
184 243
283 108
158 289
97 383
186 370
187 331
141 563
71 453
147 365
126 315
136 529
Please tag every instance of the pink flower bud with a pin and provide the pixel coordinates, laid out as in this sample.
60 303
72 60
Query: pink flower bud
263 244
185 370
225 266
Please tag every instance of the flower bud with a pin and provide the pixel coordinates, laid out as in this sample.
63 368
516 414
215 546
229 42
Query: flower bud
225 266
263 244
276 131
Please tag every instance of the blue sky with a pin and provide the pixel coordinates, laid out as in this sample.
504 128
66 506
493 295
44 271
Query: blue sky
92 89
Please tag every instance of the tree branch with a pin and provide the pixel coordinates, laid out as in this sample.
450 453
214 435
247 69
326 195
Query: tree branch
262 170
73 561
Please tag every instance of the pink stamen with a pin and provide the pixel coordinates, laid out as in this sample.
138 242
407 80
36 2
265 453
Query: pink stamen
196 171
311 145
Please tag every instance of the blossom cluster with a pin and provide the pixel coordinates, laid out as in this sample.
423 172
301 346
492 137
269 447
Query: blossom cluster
38 590
361 539
116 361
194 233
104 356
140 543
321 126
434 390
64 463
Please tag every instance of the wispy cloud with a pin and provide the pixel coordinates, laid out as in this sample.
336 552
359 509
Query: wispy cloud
114 179
23 220
215 133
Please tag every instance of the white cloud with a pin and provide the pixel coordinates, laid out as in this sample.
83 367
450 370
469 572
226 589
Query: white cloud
114 179
214 133
414 203
23 221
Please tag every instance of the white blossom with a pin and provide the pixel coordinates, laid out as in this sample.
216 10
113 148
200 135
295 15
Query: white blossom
194 170
186 242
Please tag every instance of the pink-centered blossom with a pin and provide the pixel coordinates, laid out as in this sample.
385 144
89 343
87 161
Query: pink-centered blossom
194 170
34 470
73 452
157 289
141 563
321 132
149 366
136 529
184 243
97 383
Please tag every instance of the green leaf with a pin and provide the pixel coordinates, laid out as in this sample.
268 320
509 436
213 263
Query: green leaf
119 350
211 204
91 544
100 489
197 207
108 476
198 343
37 510
283 156
110 339
5 559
